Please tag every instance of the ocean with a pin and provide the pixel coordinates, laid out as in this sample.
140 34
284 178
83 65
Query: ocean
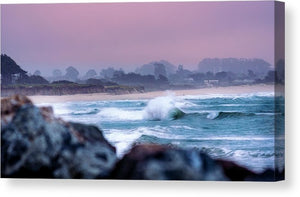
236 127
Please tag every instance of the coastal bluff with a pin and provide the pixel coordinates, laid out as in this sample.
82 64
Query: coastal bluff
67 89
37 144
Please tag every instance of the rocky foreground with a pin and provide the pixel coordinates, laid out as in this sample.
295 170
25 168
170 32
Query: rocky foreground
36 144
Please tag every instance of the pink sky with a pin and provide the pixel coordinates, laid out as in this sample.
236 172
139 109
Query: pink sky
127 35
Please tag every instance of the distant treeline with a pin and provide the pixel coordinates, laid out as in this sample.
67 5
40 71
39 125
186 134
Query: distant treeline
157 75
14 80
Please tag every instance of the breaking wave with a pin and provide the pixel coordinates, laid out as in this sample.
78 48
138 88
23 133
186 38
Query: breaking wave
231 96
221 115
85 112
162 108
117 114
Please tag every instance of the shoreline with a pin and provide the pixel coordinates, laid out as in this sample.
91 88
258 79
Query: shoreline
243 89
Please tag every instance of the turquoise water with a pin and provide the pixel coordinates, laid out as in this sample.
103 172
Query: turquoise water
239 128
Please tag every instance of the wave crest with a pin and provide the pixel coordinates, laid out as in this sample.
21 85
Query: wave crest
162 108
221 115
116 114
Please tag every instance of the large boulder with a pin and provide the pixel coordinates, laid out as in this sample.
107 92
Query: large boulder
158 162
162 162
34 143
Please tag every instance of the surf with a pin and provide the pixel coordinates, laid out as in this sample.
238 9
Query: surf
117 114
223 114
163 108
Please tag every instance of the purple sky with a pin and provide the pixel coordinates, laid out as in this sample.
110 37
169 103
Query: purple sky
48 36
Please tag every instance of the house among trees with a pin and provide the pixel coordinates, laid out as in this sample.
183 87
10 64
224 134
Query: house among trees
211 82
10 71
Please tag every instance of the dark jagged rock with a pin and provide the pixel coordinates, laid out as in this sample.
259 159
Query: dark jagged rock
34 143
267 175
235 172
164 163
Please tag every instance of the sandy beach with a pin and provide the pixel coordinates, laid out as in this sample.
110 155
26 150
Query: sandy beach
245 89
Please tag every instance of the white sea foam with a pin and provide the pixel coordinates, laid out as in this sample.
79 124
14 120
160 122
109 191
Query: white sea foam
183 127
116 114
212 115
161 108
233 96
123 139
61 109
236 138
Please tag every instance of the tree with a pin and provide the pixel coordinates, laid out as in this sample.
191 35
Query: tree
37 73
57 73
209 75
90 74
270 76
107 73
199 77
159 69
251 74
71 73
234 65
162 79
180 68
10 70
13 73
222 76
118 73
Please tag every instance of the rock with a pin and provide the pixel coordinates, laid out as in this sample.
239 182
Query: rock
161 162
267 175
235 172
158 162
9 106
36 144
